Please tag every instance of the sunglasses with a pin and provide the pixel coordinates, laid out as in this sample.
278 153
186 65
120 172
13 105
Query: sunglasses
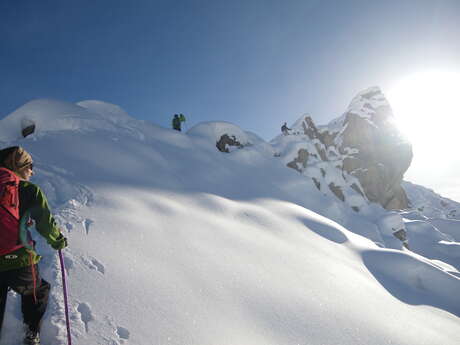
31 166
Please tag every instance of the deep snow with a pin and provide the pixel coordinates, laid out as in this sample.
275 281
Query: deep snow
173 242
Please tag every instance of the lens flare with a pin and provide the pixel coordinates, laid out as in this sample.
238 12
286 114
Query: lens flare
426 109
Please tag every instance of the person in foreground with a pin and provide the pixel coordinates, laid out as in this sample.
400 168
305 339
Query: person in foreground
22 202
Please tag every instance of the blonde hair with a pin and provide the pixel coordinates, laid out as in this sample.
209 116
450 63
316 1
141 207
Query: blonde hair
16 158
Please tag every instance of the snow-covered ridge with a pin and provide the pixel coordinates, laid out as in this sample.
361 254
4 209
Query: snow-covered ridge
52 115
173 242
430 204
111 112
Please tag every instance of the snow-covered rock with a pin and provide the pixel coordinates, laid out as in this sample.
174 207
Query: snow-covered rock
382 155
52 115
363 143
223 135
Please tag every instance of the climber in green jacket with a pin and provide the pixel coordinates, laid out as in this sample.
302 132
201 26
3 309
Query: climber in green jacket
18 268
177 121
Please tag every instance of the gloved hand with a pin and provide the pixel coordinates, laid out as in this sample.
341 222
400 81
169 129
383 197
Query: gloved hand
60 243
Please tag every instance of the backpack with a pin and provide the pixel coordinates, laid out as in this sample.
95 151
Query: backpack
9 212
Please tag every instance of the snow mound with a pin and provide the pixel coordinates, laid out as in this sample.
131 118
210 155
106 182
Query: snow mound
109 111
53 115
213 131
208 134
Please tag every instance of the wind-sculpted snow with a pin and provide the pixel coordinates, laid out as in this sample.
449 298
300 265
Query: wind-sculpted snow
429 204
109 111
173 242
423 283
428 241
450 227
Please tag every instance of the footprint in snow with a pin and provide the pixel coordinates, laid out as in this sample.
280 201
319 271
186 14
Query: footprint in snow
94 264
85 314
87 223
69 227
68 263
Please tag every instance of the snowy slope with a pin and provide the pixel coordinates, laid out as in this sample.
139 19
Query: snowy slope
431 204
173 242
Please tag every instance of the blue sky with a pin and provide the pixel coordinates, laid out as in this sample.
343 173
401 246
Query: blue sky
254 63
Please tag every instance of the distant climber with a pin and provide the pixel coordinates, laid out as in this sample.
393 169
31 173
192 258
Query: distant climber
22 202
285 129
177 121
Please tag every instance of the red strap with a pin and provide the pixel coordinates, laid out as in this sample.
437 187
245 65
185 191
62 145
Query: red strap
10 250
9 187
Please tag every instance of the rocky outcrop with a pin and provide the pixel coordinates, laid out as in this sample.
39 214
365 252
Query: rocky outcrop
366 144
28 127
337 191
380 155
225 141
300 161
28 131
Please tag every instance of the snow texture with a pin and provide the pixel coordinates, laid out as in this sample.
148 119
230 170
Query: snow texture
173 242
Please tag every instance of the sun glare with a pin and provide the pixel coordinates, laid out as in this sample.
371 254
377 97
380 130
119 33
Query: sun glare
426 108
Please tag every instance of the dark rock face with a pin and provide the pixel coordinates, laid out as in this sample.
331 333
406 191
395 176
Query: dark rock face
302 159
317 183
28 130
225 141
28 127
337 191
357 189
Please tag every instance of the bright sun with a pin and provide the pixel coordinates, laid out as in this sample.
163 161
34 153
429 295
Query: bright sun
426 106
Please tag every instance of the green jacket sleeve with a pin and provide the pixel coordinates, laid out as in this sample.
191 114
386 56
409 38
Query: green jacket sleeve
34 200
